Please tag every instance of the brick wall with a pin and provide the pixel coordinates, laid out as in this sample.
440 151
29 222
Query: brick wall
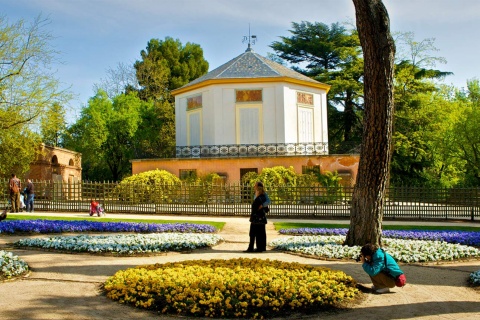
55 163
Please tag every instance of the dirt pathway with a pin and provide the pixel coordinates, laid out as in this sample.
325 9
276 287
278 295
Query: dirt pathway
67 286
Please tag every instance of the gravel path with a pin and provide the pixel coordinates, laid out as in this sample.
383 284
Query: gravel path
67 286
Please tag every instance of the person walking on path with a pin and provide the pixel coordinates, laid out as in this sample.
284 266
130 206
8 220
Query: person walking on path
30 194
258 221
15 186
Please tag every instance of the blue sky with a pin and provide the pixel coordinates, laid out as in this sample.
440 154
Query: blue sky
96 35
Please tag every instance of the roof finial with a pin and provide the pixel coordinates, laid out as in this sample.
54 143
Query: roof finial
251 40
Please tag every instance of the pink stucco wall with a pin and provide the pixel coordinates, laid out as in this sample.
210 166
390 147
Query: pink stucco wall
343 164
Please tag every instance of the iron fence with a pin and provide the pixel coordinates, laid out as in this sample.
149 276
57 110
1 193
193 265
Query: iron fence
234 199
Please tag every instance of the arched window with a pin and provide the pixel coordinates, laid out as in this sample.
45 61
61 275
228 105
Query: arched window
70 162
54 160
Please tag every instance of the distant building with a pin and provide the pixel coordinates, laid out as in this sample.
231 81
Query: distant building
56 164
249 114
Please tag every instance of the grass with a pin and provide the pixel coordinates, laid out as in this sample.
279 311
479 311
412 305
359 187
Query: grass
295 225
220 225
216 224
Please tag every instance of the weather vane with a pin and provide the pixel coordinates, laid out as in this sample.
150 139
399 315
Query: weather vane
252 39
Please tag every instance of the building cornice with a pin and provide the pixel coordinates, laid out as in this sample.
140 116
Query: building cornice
209 82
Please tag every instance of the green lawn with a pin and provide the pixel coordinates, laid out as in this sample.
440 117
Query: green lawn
220 225
294 225
217 225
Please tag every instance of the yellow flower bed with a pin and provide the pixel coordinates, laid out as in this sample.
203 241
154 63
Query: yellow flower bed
252 288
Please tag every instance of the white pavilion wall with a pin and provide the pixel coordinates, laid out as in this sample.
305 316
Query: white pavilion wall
279 108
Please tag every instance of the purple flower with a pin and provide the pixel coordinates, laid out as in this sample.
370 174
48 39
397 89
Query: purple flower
60 226
470 238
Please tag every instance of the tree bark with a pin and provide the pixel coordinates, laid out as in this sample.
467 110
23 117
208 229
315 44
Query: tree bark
366 213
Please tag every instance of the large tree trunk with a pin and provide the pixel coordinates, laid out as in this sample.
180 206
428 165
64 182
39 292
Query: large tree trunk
366 213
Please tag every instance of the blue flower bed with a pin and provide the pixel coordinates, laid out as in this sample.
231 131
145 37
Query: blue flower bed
470 238
60 226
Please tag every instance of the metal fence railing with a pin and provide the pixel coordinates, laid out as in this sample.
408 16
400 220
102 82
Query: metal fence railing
250 150
235 199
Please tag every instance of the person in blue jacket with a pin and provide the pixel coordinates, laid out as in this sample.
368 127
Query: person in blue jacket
380 266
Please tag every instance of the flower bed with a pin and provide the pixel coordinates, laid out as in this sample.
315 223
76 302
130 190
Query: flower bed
11 265
235 288
124 244
402 250
475 278
470 238
59 226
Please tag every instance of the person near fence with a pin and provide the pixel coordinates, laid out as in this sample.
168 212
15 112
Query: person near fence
380 266
93 207
22 201
258 220
96 208
15 186
267 202
29 194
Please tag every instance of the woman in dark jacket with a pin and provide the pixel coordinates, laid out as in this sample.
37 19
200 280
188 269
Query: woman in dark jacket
380 266
257 229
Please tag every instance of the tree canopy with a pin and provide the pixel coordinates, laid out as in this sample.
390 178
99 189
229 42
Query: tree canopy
330 54
27 82
132 115
418 102
28 90
104 135
167 65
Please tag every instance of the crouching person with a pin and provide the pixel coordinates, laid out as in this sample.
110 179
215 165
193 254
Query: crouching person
380 266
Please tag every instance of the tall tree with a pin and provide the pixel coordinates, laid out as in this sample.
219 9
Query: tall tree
28 88
17 150
104 135
167 65
330 54
464 143
27 84
373 25
53 125
415 92
119 80
157 123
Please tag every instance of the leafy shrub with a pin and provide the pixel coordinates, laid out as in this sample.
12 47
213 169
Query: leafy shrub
201 187
155 186
277 181
284 185
236 288
333 189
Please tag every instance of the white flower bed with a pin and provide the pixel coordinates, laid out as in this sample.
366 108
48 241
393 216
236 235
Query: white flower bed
125 244
402 250
11 265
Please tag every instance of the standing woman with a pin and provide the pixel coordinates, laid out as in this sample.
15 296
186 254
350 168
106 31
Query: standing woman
258 221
